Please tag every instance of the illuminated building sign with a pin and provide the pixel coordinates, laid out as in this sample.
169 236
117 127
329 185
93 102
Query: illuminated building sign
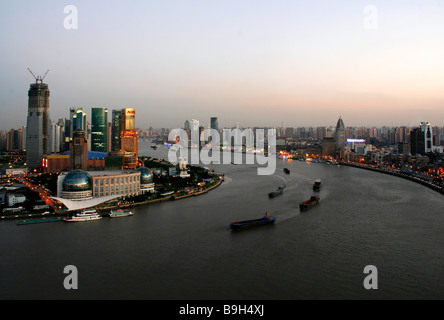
356 140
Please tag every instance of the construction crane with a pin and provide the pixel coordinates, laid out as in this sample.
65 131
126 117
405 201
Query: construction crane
38 78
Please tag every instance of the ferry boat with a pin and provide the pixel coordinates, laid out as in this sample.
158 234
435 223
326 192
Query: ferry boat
120 213
305 205
286 171
253 223
317 185
277 192
87 215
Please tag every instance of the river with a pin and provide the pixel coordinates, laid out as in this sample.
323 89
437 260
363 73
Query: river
184 250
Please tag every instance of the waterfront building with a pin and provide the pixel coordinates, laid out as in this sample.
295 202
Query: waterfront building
146 180
328 147
81 185
13 199
38 124
99 132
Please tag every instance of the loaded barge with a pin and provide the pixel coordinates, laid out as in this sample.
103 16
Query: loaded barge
308 204
253 223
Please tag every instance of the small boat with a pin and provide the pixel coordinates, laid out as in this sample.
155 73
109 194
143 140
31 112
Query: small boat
120 213
317 185
279 191
253 223
154 147
87 215
286 171
305 205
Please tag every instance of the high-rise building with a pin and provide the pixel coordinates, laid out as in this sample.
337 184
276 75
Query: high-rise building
14 140
128 121
79 121
214 124
99 134
78 151
340 135
129 138
116 124
417 141
428 136
38 124
186 126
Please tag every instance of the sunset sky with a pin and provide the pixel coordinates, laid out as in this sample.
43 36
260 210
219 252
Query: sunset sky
256 62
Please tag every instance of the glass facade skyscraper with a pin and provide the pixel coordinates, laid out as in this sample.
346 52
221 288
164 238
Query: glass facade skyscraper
99 135
116 128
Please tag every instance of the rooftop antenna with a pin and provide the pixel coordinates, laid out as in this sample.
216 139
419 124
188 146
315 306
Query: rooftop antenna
38 78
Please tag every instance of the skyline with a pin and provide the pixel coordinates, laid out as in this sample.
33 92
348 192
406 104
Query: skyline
256 62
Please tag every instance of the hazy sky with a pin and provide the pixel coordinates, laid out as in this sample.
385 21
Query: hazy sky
256 62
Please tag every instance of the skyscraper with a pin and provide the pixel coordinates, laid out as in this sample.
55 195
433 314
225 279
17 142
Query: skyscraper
99 134
129 138
79 121
78 151
116 129
428 136
38 123
214 125
340 135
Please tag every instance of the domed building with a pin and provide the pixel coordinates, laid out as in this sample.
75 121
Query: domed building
146 179
77 184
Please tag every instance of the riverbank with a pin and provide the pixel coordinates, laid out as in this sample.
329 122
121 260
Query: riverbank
102 210
424 182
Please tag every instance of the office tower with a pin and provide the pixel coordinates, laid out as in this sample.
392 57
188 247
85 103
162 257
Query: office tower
99 133
78 151
38 123
116 129
79 121
186 126
340 135
428 136
14 140
214 124
55 137
129 138
417 141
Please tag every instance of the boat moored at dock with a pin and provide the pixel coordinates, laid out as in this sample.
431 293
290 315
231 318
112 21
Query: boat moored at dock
87 215
120 213
252 223
305 205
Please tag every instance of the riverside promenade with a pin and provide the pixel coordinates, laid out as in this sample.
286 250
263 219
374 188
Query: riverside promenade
411 177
